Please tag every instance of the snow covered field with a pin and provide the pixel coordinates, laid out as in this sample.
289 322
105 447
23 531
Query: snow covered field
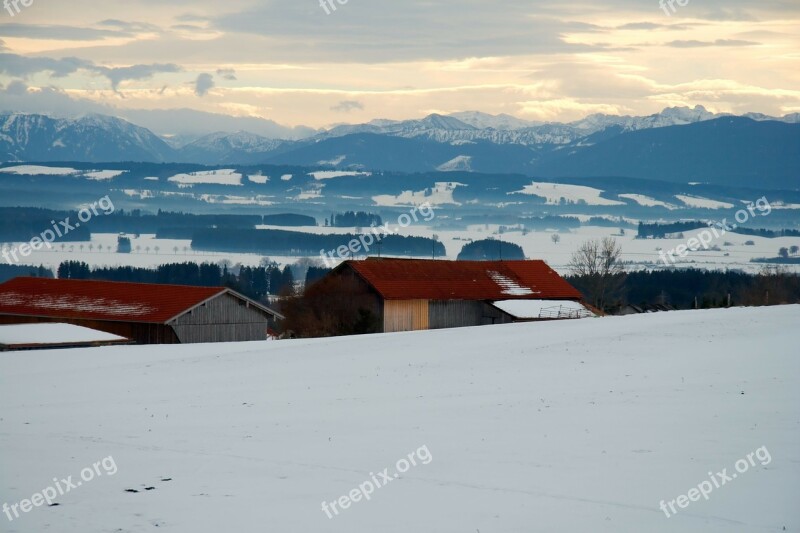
537 245
577 426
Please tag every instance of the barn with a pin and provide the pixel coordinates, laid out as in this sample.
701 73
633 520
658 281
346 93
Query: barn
418 294
144 313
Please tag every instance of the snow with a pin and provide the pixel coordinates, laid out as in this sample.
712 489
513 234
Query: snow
703 203
781 205
647 201
257 178
509 286
574 426
36 170
223 176
87 304
54 333
554 192
534 308
39 170
142 194
104 174
330 174
228 199
440 194
333 162
461 163
640 253
286 177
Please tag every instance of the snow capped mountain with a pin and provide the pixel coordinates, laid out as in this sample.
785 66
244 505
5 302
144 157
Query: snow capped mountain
484 121
671 116
223 147
473 126
466 141
451 130
91 138
240 141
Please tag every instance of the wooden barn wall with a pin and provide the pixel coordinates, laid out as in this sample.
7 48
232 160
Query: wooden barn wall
222 319
405 315
138 332
463 313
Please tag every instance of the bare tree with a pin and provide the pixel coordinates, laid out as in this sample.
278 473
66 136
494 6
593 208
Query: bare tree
556 238
598 265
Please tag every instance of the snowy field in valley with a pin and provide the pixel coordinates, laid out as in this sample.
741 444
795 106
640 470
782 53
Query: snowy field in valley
537 245
575 426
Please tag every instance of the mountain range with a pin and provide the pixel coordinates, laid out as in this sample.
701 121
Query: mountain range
677 144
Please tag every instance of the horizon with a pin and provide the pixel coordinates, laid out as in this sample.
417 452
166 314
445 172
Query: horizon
330 127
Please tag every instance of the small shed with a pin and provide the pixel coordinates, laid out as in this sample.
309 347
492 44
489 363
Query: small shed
144 313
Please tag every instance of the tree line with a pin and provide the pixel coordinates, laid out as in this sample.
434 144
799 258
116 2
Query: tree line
254 282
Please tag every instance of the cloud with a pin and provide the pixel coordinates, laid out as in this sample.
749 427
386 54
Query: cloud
226 74
56 32
409 30
187 27
203 84
22 66
16 88
134 72
130 27
654 26
190 17
718 42
345 106
17 96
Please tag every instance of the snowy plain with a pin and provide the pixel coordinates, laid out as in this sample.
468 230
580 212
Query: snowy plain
640 253
575 426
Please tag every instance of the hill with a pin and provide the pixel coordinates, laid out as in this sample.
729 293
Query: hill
572 426
732 151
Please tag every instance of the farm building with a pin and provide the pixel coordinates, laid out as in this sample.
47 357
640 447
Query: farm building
416 294
144 313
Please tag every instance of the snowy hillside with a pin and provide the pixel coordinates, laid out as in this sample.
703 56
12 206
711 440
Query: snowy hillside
577 426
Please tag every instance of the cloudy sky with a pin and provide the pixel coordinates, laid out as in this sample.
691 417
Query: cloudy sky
297 63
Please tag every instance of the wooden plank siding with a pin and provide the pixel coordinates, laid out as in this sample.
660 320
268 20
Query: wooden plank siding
464 313
405 315
225 318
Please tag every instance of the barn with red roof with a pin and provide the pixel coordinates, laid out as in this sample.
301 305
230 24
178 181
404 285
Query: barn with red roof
416 294
144 313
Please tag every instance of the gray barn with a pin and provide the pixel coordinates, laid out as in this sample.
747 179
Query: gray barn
419 294
144 313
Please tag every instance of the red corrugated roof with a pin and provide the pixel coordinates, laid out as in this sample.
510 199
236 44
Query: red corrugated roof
100 300
402 279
